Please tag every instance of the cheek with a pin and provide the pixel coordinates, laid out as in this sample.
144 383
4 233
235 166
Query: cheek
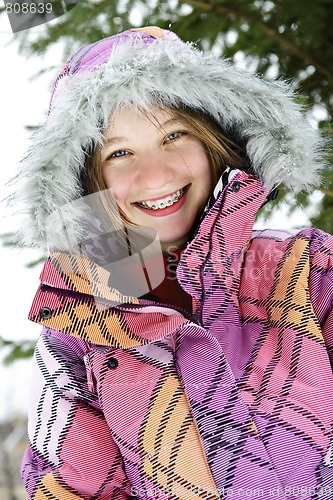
117 185
203 171
106 174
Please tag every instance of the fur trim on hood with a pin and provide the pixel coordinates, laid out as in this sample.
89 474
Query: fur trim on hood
140 67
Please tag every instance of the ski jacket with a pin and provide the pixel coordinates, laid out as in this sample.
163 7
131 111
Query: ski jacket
134 399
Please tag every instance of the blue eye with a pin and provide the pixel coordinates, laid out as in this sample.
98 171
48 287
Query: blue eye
173 136
119 154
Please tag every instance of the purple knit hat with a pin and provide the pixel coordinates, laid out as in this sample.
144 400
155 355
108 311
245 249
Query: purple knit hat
90 57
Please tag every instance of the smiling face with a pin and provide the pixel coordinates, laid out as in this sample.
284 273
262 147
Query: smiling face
158 171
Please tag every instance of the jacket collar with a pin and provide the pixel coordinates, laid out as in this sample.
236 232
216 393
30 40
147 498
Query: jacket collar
224 233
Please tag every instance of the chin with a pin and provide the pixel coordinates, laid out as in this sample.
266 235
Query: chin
176 241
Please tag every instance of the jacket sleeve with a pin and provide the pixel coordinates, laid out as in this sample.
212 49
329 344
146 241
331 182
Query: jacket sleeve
321 285
71 453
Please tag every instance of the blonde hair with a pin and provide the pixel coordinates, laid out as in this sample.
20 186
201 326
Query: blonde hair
221 150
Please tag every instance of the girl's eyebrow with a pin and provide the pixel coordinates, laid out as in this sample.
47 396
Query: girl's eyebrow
112 140
171 121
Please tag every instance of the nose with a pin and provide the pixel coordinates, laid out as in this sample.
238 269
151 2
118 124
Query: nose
155 171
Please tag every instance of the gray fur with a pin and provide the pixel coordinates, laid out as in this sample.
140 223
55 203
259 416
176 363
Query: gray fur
282 146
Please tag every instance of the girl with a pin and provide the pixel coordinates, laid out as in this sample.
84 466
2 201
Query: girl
183 355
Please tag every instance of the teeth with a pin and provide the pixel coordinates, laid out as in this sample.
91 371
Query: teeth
164 202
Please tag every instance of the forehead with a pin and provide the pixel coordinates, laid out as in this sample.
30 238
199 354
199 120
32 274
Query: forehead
128 119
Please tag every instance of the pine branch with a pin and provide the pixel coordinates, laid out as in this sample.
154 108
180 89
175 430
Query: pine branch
327 192
17 350
269 30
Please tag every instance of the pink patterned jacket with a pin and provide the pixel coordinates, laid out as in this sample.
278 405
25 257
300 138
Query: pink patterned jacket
139 400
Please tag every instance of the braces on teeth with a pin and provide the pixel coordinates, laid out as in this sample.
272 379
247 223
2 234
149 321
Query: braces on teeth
165 202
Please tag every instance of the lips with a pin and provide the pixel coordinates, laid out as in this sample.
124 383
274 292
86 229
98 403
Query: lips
164 206
161 203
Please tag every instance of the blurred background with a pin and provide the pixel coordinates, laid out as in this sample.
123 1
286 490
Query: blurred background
278 39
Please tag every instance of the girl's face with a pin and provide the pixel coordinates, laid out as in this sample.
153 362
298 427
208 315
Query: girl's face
158 171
